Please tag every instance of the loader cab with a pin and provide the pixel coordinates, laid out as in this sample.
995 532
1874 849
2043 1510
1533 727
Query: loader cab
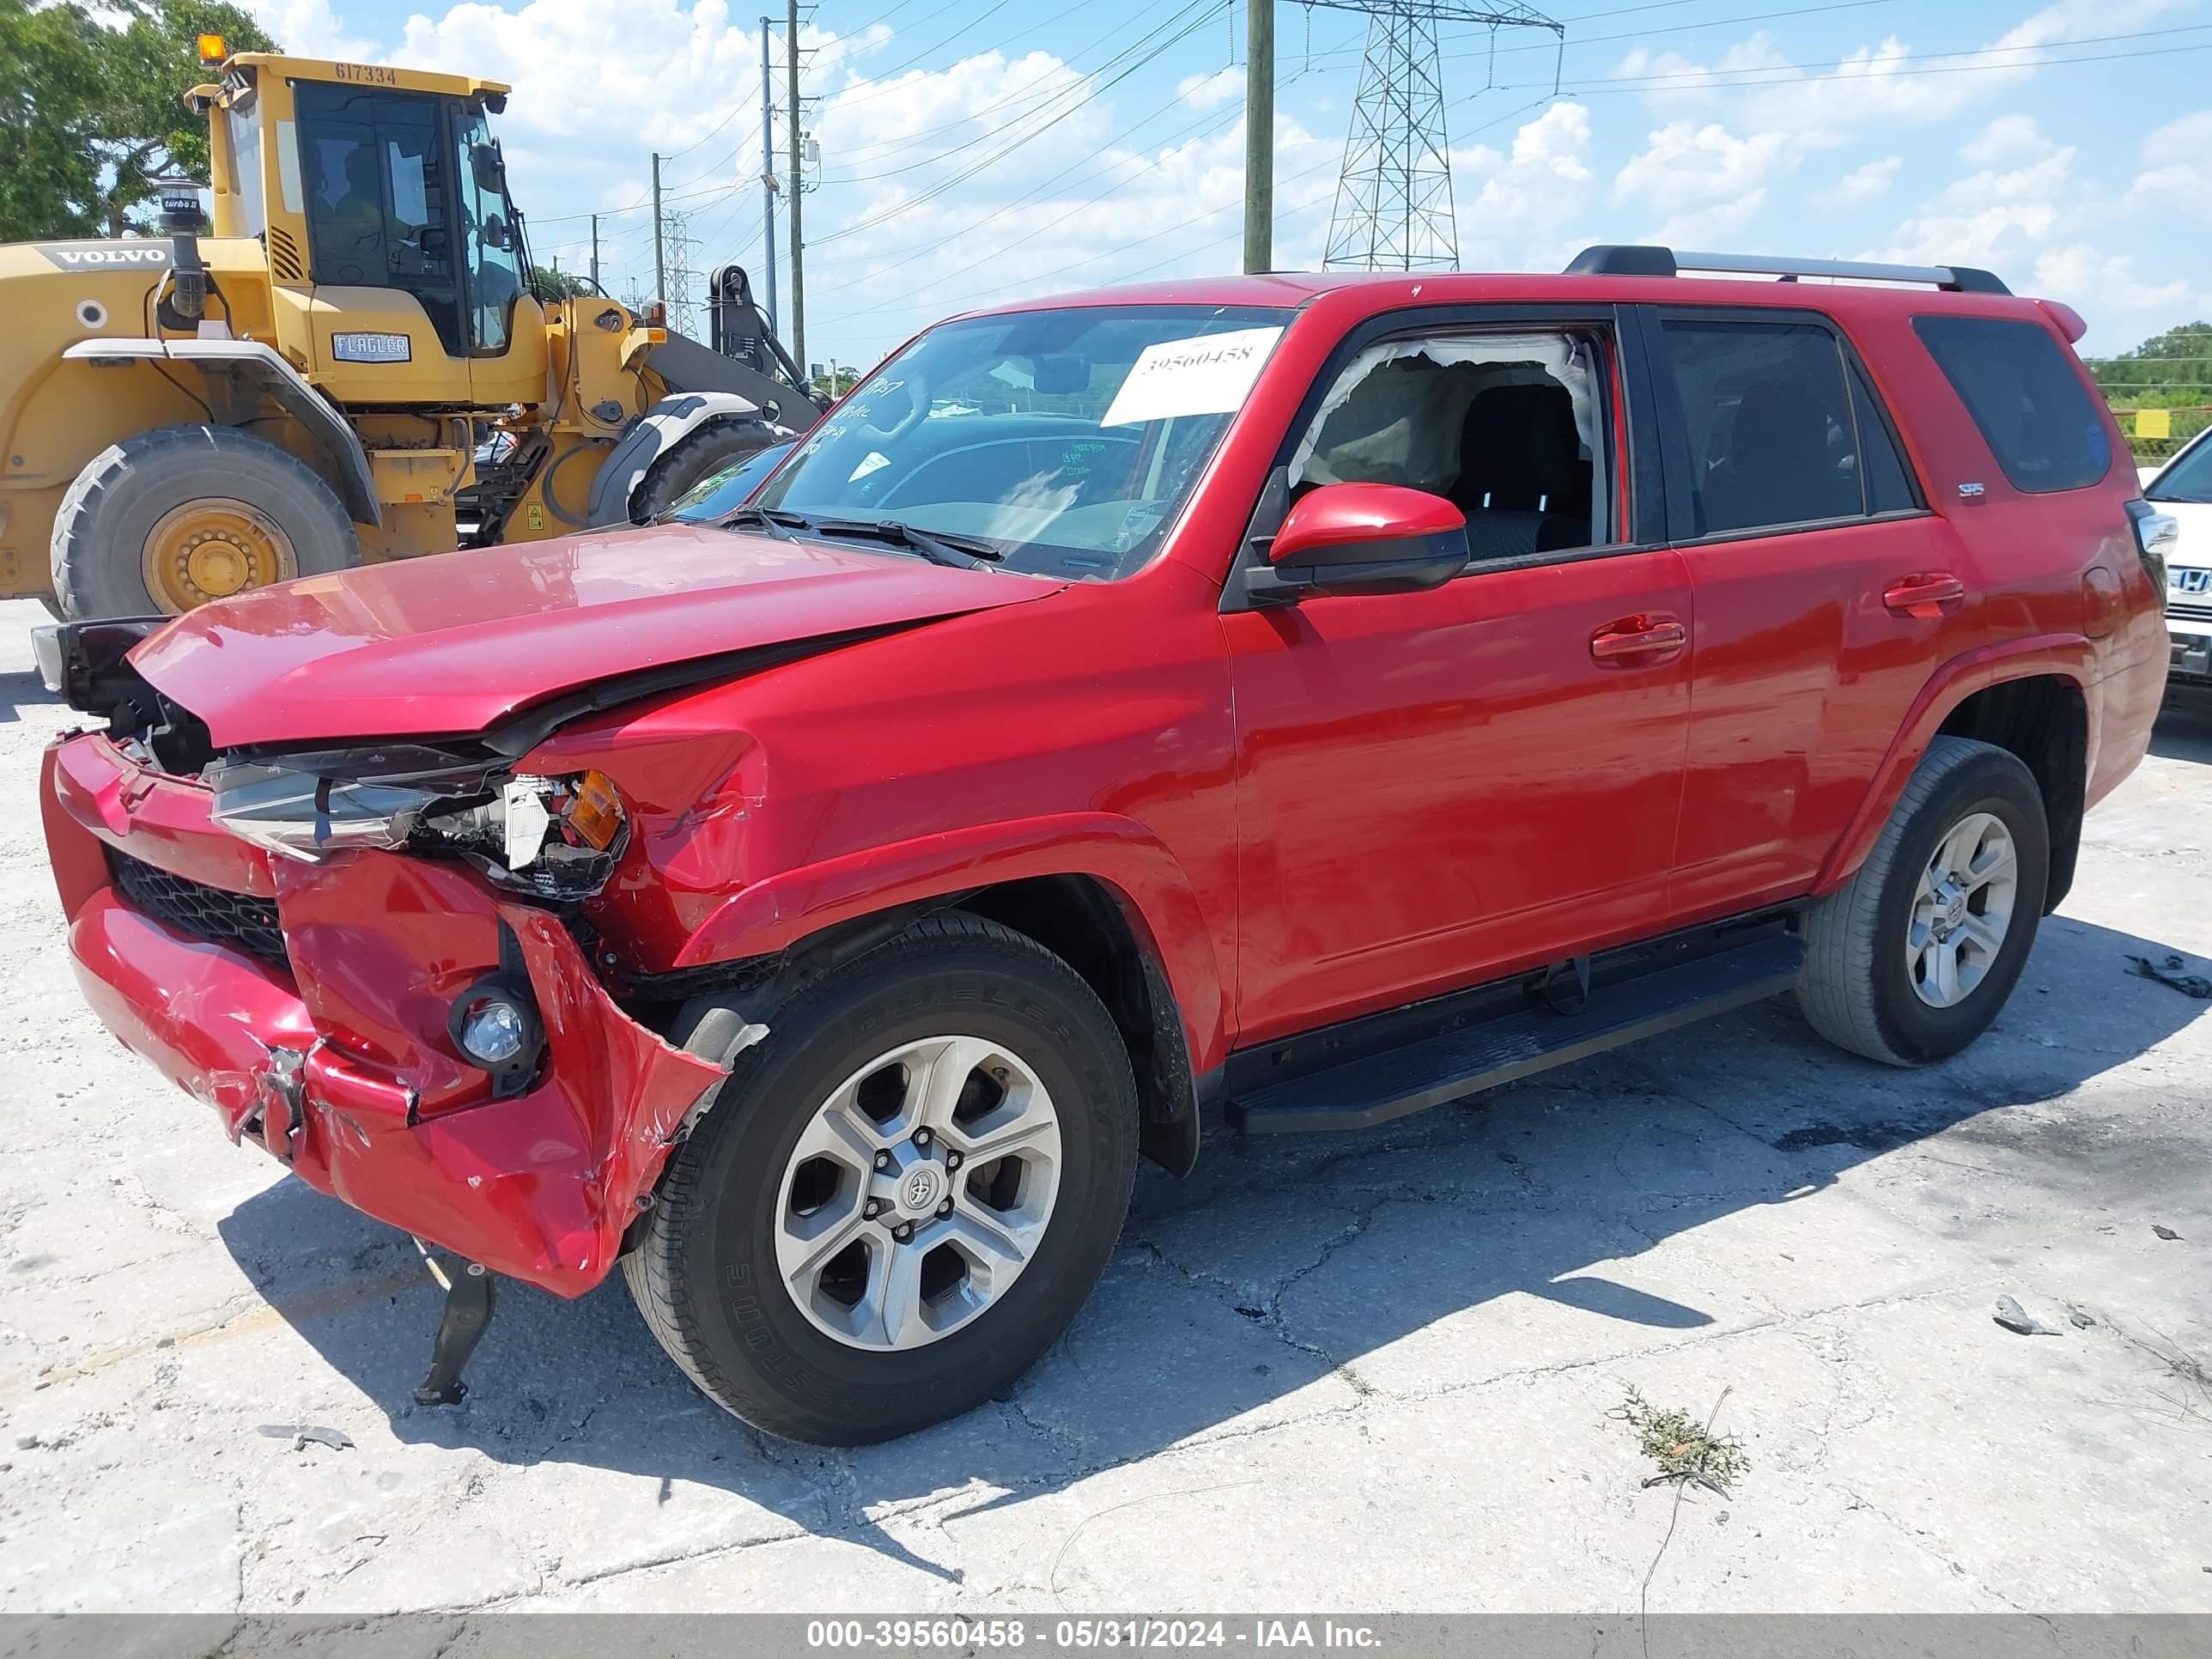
405 189
382 194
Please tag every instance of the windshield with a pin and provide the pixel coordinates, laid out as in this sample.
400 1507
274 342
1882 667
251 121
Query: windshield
1066 439
2189 477
725 490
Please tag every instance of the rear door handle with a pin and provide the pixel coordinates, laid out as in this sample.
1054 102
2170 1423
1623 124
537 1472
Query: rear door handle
1639 641
1925 597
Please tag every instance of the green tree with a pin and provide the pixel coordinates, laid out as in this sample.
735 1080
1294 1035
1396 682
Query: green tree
150 63
2172 372
51 87
551 281
93 112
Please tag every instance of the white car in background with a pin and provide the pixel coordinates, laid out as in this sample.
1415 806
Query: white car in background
2183 489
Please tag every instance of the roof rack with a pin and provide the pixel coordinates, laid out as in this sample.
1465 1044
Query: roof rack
1632 259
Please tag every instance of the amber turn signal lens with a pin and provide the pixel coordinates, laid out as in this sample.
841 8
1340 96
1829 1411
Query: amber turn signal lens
595 817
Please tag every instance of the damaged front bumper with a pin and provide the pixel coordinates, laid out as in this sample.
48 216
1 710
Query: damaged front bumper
338 1057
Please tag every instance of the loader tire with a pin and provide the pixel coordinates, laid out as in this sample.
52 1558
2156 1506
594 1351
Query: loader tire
696 456
169 519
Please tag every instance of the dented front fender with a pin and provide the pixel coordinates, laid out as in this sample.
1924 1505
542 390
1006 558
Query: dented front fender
340 1061
540 1186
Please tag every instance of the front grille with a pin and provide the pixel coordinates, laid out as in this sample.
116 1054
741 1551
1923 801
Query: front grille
2189 612
237 919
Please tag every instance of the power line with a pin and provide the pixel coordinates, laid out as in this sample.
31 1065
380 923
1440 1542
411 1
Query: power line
943 185
1575 42
1318 167
1041 110
880 89
1780 75
1067 62
735 112
1090 166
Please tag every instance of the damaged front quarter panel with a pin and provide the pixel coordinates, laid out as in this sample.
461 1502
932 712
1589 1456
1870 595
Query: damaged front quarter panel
540 1185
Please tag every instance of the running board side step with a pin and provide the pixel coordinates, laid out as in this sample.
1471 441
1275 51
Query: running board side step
1360 1093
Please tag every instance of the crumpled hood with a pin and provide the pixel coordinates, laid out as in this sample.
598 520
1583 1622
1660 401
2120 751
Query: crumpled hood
452 644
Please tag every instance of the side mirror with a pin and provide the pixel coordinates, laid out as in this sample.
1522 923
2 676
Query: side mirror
1365 535
495 234
488 169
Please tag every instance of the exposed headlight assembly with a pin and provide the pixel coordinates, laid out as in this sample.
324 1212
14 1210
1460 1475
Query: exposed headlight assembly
549 837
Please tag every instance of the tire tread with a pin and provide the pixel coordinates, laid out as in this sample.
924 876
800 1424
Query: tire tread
655 1268
74 559
1836 989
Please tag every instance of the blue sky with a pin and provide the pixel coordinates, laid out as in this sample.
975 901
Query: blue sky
982 149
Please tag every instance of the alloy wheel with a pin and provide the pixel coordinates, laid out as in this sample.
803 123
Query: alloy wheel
918 1192
1961 910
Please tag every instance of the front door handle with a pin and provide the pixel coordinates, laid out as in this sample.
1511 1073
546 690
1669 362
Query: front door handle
1925 597
1639 641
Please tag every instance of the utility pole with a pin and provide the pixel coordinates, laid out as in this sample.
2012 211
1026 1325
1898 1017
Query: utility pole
768 173
659 255
1258 134
595 250
796 180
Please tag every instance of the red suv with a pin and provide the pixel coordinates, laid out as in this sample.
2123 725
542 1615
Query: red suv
1305 698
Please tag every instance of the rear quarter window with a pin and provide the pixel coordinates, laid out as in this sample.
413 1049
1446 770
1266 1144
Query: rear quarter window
2022 389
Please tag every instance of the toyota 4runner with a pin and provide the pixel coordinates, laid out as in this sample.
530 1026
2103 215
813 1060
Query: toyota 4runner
1294 700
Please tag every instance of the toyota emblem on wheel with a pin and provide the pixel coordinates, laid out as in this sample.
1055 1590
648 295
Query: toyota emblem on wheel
918 1192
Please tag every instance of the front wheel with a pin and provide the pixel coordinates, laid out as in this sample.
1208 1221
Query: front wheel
901 1195
1910 960
698 456
166 521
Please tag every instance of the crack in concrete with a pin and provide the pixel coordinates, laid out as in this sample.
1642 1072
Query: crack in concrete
1924 1541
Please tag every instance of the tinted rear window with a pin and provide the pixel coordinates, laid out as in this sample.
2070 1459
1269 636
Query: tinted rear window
2024 393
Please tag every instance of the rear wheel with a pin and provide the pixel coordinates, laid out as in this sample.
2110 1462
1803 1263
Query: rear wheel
902 1195
1910 959
167 521
696 456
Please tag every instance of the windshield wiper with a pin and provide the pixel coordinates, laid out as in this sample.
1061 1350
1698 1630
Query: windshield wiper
778 524
961 552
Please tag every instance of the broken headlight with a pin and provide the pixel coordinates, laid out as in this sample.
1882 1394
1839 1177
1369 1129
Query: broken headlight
549 837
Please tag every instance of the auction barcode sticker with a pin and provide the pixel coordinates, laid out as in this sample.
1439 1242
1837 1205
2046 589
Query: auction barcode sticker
1206 374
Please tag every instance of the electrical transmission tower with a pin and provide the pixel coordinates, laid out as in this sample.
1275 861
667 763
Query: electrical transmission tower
1394 197
682 281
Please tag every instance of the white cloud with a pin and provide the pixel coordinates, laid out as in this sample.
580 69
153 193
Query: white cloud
1989 216
2087 276
1212 91
1862 184
652 75
1700 181
309 29
1513 207
2009 137
2189 139
2178 176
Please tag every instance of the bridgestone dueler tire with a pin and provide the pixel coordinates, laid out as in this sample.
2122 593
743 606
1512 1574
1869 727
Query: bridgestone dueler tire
696 456
1856 989
100 533
703 1268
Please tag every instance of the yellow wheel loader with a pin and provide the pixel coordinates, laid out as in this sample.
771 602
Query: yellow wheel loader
353 367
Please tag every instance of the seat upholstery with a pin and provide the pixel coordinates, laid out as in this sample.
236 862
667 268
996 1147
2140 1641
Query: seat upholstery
1778 470
1523 483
